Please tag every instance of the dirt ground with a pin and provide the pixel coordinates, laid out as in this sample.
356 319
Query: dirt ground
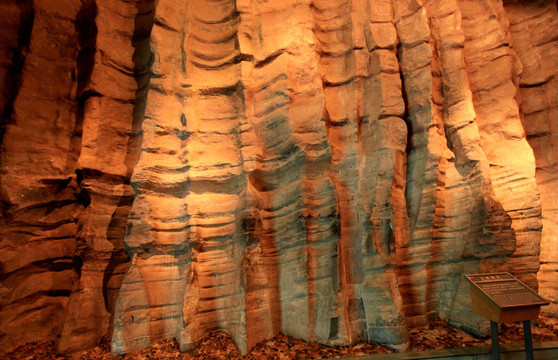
218 345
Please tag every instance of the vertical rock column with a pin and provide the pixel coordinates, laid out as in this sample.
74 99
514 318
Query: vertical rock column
334 43
40 137
214 113
492 67
112 73
186 227
277 246
261 265
538 90
382 145
426 155
471 227
149 305
318 196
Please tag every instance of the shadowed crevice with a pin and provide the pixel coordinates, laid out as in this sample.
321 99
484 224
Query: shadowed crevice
12 84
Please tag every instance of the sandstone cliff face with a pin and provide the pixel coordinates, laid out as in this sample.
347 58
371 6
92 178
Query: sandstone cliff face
328 169
538 99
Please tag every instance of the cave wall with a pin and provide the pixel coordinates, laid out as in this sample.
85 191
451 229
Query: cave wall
538 98
328 169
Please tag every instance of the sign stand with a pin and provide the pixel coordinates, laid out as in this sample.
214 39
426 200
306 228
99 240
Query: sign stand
500 297
528 340
495 341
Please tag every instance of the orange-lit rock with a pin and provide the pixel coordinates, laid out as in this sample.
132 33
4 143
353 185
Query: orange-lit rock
40 136
538 95
328 169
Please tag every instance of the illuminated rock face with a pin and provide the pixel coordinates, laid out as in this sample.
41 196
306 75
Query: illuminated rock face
327 169
538 92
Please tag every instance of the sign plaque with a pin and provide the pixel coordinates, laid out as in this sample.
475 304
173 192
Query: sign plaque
500 297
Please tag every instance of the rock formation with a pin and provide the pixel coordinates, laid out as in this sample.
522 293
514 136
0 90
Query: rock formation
538 98
328 169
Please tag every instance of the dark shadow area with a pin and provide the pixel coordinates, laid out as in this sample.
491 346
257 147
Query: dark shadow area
86 30
12 84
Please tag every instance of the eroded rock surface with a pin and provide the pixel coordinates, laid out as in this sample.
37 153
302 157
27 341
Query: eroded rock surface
538 100
328 169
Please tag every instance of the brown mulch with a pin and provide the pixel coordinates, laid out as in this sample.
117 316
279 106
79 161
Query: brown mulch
440 335
218 345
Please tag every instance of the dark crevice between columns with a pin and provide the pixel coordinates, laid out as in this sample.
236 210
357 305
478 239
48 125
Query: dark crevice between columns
12 85
405 115
86 32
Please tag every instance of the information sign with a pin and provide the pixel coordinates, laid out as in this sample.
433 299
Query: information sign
506 291
500 297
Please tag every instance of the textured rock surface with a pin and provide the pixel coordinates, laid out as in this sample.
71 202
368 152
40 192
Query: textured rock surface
40 144
327 169
538 94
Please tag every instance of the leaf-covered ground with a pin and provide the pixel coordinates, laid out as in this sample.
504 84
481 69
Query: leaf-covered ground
218 345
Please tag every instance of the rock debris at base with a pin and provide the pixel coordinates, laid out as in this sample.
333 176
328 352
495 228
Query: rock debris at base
219 346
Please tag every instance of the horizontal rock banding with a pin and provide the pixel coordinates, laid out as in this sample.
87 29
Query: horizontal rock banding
328 169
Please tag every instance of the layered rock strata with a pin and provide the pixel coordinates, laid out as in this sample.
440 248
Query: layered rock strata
70 125
328 169
41 140
538 100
